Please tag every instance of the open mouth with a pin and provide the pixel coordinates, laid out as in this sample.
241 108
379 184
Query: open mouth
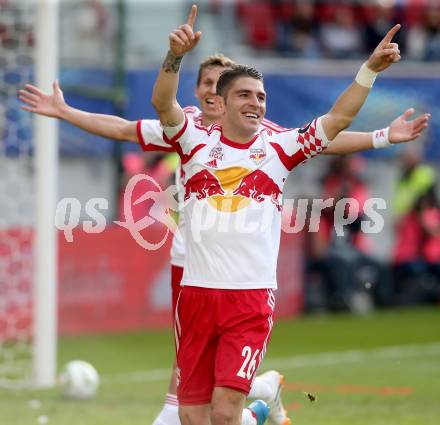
251 115
210 101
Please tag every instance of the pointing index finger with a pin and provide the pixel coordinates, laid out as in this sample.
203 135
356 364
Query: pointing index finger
192 15
390 34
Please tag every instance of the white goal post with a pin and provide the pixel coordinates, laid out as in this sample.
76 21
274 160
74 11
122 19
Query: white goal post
46 167
28 182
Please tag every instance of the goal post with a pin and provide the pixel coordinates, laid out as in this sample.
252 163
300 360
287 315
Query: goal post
46 167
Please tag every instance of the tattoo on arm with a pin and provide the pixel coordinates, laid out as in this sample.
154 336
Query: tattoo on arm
171 123
172 63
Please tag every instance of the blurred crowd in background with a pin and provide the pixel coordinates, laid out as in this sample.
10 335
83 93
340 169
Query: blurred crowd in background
345 268
341 273
338 29
290 28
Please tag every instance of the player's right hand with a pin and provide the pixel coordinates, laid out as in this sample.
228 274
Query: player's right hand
39 102
386 53
183 39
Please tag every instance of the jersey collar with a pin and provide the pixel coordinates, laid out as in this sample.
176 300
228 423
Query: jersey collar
236 145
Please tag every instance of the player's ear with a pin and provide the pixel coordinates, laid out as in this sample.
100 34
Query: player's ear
219 103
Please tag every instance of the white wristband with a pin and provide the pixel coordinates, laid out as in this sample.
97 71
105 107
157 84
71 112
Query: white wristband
365 76
380 138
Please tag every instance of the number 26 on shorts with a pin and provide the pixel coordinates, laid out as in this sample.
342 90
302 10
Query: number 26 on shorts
249 364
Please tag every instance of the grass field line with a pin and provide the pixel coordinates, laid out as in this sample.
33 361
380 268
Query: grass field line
305 360
354 356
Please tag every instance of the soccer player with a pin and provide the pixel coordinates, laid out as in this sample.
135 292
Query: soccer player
223 317
400 130
147 131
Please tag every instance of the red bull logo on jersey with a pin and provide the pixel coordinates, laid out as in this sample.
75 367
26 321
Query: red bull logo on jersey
203 185
227 190
233 189
259 186
257 155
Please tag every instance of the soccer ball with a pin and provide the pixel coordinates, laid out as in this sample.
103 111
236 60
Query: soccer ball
79 380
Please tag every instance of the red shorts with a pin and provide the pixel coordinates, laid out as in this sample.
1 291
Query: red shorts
176 278
221 337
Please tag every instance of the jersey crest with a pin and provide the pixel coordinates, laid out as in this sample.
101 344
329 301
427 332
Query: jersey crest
217 152
257 155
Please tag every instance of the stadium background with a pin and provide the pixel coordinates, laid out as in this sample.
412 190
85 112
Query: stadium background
110 53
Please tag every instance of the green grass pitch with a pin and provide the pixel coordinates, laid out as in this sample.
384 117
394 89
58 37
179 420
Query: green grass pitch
380 369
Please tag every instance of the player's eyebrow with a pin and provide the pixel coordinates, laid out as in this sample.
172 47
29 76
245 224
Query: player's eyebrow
246 91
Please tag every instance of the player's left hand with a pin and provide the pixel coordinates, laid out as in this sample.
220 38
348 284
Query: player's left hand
386 53
402 129
183 39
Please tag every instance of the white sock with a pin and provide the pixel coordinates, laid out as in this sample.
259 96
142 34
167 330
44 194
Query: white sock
169 415
260 389
248 418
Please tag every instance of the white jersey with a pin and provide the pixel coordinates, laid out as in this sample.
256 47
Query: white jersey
150 135
150 138
233 200
178 245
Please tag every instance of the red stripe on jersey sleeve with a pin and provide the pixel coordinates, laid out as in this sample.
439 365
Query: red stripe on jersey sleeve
184 158
172 141
147 147
156 148
139 134
289 161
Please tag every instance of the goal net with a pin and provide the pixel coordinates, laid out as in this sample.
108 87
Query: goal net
17 20
28 158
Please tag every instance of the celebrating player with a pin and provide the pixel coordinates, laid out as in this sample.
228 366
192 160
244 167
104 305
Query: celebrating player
147 135
150 134
223 317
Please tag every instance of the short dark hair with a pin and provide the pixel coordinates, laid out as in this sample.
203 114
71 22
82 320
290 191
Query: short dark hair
214 60
228 76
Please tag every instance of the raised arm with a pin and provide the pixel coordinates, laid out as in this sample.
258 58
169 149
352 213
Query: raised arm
351 100
401 130
54 106
164 100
